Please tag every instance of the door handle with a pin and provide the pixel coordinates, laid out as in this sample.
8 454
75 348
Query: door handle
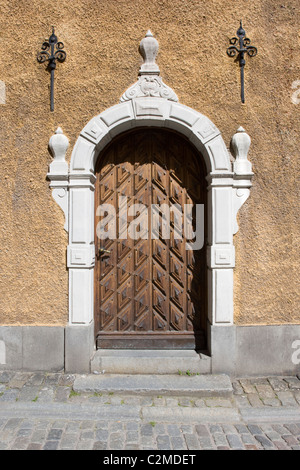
102 252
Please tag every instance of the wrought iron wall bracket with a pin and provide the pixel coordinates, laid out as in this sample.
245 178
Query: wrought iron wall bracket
52 51
245 47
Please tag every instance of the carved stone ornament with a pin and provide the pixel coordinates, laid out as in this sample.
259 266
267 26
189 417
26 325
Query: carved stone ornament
149 82
59 171
58 145
242 168
240 144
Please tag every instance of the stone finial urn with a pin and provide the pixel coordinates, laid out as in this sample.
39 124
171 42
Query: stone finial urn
239 145
148 50
58 145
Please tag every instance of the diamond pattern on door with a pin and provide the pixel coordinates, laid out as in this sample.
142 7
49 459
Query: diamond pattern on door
150 292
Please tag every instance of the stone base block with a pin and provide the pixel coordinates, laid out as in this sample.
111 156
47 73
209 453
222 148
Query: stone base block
32 348
79 347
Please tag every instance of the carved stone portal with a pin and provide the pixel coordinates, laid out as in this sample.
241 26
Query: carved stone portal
149 102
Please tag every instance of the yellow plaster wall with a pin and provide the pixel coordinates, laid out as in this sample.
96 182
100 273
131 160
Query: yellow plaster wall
101 40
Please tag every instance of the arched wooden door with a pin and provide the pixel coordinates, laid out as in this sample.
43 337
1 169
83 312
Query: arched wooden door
150 291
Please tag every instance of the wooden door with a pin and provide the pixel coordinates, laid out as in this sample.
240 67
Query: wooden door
149 293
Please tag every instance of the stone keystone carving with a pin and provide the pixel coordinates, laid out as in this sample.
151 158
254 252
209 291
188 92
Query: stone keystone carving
149 82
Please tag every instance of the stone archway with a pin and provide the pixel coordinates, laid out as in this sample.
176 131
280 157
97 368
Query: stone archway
150 102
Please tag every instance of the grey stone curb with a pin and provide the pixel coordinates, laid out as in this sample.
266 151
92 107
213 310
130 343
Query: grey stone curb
254 415
146 413
117 412
190 415
69 411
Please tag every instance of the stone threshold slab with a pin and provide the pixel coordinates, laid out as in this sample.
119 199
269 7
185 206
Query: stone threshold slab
171 385
126 361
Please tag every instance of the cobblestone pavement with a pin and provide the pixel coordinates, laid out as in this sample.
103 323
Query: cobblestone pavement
41 411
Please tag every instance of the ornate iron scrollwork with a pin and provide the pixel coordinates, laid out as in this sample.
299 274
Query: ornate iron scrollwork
52 51
245 47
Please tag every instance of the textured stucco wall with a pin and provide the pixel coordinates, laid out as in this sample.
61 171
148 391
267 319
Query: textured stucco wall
101 40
